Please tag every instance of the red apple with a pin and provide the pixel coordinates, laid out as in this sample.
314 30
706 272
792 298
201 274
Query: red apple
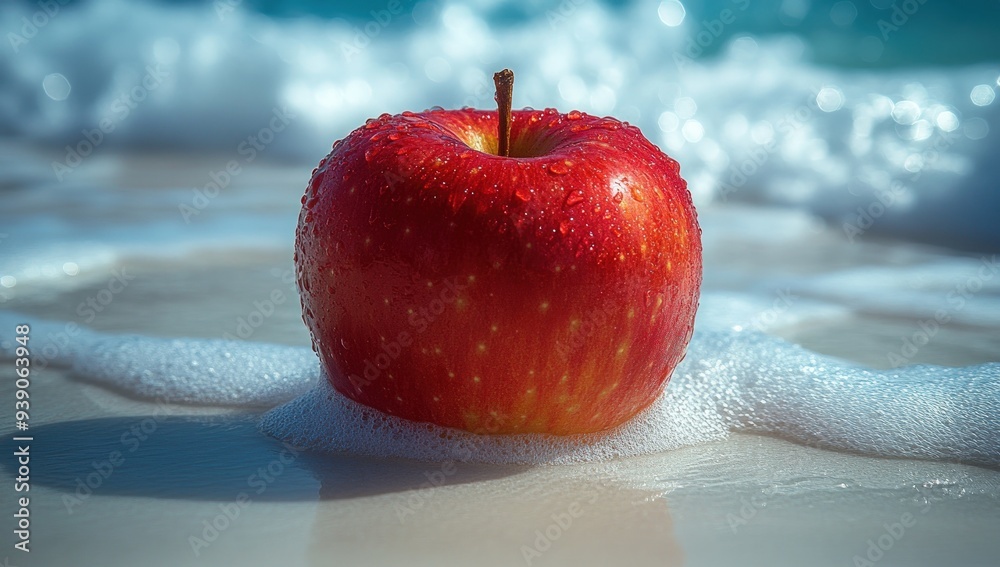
551 290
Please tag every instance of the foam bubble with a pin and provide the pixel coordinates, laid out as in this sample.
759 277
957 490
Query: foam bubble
190 371
326 420
199 371
729 381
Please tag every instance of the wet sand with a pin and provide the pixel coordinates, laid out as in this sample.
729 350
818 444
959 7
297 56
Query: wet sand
746 500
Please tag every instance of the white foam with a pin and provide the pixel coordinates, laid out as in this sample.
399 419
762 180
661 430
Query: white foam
189 371
729 381
325 420
199 371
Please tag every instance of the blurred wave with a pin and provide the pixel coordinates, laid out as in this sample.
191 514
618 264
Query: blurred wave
753 115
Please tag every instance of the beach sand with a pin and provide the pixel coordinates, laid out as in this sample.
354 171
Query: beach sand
747 500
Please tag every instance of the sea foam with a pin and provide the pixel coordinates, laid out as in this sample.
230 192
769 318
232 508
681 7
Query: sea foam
730 381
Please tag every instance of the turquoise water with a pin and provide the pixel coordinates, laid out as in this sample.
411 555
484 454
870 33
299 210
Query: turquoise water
936 33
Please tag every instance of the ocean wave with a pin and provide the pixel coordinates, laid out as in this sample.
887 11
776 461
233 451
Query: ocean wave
905 152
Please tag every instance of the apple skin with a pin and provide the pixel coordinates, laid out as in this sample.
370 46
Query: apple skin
551 291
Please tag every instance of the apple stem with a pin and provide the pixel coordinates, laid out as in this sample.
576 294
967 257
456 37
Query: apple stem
504 81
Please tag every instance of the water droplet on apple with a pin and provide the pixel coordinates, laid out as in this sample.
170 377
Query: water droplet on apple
316 181
303 199
370 123
369 154
394 136
617 197
574 115
343 344
636 193
563 227
579 128
560 167
308 218
573 198
523 194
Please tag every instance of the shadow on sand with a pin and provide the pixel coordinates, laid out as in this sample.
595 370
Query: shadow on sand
215 458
